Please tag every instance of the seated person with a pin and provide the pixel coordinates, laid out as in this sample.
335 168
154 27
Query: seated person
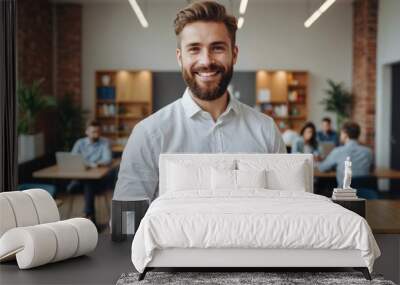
327 134
360 156
96 151
307 142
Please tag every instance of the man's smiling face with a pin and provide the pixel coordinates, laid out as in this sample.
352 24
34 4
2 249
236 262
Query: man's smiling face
206 57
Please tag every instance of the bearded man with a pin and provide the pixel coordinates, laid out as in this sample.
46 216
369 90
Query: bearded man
206 119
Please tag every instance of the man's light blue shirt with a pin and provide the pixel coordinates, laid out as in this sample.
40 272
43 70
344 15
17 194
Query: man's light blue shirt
93 152
360 156
183 127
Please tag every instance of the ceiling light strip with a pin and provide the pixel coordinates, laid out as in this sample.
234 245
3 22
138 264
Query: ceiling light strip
240 22
243 6
318 13
139 13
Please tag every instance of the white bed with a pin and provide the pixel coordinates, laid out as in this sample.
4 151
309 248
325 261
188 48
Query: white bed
197 224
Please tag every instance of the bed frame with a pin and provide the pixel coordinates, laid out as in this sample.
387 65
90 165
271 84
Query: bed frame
246 259
241 259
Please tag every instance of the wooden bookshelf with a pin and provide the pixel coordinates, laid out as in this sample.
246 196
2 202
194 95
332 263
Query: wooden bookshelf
283 96
123 98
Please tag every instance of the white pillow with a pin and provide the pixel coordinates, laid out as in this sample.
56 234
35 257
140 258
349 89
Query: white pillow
251 179
190 176
281 174
237 179
293 181
223 179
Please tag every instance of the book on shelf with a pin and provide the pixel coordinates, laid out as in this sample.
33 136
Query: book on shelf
106 93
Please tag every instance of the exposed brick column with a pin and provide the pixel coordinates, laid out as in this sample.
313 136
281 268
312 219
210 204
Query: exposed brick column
69 50
365 18
35 55
35 43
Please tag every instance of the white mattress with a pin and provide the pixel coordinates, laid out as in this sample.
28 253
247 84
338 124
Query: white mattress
253 218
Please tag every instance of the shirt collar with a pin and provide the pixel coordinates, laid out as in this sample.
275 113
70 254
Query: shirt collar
191 108
89 142
351 142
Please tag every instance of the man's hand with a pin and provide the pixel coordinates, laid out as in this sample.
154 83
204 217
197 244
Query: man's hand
93 165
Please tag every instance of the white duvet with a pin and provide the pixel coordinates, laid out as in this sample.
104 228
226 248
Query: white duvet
253 218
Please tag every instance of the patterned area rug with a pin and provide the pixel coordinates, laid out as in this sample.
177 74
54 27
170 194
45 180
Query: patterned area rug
273 278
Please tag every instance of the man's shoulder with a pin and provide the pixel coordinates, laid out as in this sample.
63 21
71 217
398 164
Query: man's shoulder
249 112
338 152
104 141
364 149
162 118
81 141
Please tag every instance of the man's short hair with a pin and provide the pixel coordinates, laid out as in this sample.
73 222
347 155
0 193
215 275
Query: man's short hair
352 129
93 123
206 11
327 119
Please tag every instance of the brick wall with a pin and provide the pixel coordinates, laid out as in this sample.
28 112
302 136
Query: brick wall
49 47
69 49
365 16
34 42
34 54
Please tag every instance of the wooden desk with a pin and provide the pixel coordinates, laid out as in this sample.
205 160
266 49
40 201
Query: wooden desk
118 148
329 174
387 173
53 172
380 172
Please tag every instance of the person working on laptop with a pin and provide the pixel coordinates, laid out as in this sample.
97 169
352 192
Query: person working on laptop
207 119
96 151
327 134
360 156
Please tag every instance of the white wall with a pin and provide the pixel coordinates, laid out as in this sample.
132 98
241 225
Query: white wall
388 52
273 37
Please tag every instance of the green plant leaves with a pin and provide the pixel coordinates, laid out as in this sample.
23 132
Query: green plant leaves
338 100
31 102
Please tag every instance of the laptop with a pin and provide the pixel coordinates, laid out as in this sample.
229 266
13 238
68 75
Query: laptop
326 148
71 162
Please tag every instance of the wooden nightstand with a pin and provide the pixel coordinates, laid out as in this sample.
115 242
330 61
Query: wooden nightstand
356 205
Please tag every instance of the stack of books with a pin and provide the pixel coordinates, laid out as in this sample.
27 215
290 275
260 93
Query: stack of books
344 194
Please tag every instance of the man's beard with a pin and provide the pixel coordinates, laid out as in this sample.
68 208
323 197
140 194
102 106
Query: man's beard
208 93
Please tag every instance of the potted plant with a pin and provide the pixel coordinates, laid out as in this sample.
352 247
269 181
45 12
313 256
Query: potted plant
339 101
70 121
31 102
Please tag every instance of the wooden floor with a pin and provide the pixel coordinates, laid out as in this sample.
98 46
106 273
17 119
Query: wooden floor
383 216
102 205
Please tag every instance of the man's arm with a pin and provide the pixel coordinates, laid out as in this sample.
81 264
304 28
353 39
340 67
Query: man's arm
138 173
279 145
329 162
76 149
